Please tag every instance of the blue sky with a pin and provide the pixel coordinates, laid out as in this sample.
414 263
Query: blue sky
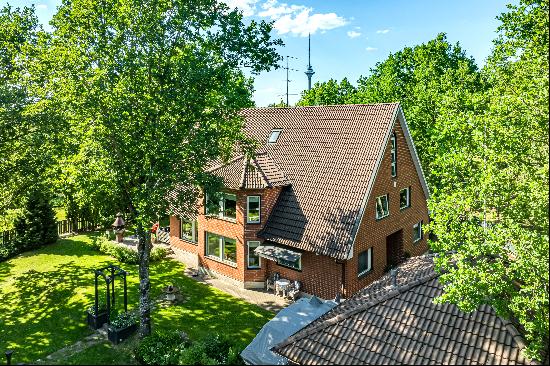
348 37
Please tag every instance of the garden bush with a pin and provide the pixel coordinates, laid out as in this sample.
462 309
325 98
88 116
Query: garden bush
214 349
161 348
125 254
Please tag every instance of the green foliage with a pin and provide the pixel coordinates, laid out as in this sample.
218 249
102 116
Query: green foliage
123 320
125 254
330 92
158 253
101 307
37 226
496 221
214 349
161 348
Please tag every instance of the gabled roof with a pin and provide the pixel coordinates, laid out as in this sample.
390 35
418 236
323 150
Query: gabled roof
330 154
386 324
244 173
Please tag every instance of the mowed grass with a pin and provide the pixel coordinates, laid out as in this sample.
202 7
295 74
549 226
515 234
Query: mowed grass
44 295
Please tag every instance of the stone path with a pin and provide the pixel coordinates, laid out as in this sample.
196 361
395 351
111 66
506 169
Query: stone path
97 337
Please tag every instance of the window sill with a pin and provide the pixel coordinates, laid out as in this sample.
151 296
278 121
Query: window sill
417 240
216 259
253 268
404 208
253 222
209 216
383 217
189 241
364 274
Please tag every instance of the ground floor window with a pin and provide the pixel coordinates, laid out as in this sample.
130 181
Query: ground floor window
364 262
221 247
417 232
253 258
189 230
297 264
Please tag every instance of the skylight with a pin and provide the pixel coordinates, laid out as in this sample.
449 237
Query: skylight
274 135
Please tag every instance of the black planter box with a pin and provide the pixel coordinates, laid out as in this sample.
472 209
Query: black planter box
96 322
118 335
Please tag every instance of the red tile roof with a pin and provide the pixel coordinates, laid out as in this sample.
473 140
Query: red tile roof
329 154
386 324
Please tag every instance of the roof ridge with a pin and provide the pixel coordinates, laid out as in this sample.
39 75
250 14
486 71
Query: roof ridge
221 165
243 173
346 314
319 106
262 173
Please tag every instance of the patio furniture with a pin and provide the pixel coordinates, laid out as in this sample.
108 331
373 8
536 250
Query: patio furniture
270 281
294 290
282 286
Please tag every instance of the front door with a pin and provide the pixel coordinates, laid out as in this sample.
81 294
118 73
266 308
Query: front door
394 249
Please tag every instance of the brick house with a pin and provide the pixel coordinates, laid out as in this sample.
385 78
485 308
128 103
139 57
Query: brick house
333 198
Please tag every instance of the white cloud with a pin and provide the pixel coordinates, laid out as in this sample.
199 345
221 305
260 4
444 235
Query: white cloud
382 31
248 7
371 49
353 34
299 19
357 27
41 6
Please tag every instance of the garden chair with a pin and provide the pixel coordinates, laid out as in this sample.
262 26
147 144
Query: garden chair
294 290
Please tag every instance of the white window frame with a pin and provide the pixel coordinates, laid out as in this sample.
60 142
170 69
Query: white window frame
248 255
248 221
408 189
274 135
221 207
369 262
393 155
420 231
194 235
376 207
221 244
298 268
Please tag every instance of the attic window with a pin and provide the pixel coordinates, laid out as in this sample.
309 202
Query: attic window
274 135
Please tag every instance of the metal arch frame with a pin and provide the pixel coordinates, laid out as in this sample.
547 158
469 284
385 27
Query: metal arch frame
110 282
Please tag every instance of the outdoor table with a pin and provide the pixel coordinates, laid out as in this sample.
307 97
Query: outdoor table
281 285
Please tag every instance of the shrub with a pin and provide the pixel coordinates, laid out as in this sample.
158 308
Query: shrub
101 307
161 348
214 349
123 320
158 254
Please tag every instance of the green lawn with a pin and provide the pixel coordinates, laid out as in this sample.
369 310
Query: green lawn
44 295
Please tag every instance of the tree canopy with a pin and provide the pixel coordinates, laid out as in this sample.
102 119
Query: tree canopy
149 92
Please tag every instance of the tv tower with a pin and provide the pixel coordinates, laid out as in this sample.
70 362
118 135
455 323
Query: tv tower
309 71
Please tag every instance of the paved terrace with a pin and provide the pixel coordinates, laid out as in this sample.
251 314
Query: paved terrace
260 297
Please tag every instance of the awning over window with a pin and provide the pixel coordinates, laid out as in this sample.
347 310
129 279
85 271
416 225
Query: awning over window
273 253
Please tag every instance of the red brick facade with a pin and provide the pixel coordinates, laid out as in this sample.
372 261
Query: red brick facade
321 275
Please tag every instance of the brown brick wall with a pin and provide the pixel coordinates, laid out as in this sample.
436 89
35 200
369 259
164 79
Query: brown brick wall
320 275
238 230
373 233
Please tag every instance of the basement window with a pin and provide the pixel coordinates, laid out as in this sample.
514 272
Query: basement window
274 136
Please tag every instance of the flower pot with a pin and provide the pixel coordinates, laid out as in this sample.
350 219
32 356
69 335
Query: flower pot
118 335
97 321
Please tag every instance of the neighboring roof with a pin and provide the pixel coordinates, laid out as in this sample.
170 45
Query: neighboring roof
286 322
385 324
329 154
257 173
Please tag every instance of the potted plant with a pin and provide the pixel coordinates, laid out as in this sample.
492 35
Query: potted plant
96 320
122 327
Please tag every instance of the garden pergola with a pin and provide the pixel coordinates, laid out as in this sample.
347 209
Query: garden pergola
109 273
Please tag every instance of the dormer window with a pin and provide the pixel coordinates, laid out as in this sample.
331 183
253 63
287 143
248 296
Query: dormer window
393 156
274 135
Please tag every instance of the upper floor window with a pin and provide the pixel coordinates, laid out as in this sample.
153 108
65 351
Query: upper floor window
382 207
393 155
405 198
364 264
222 204
253 209
189 230
417 232
274 135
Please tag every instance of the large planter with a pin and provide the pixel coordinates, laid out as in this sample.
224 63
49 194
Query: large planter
118 335
97 321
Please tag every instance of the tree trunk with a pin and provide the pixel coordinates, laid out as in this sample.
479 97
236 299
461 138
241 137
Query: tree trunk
144 251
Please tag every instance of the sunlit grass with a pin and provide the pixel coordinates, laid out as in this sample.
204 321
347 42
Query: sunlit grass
44 295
